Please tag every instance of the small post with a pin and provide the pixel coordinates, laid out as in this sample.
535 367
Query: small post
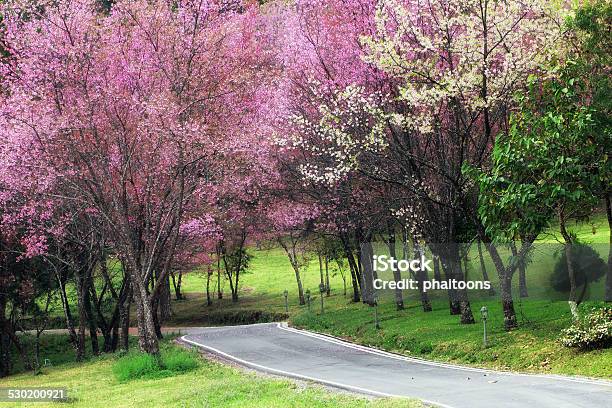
308 299
286 294
322 290
484 312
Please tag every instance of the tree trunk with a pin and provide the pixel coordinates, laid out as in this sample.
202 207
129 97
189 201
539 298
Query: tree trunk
521 268
508 303
368 294
93 327
608 295
177 284
147 336
437 274
235 290
219 292
355 278
110 329
68 316
464 304
505 281
299 285
322 276
233 287
208 297
504 273
5 341
108 339
453 302
397 275
37 352
113 326
290 250
483 268
124 321
422 277
155 305
327 287
80 340
8 330
236 276
466 264
573 304
165 299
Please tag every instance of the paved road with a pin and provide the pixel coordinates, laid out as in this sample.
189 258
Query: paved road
277 349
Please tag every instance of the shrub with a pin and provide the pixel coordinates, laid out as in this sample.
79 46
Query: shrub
426 348
592 332
588 268
172 361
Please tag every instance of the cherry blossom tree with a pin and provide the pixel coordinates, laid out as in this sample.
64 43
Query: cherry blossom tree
130 113
460 64
444 77
292 225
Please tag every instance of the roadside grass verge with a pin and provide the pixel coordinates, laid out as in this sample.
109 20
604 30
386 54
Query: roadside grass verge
533 347
92 385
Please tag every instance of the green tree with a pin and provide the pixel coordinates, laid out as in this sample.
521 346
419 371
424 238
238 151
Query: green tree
592 26
553 162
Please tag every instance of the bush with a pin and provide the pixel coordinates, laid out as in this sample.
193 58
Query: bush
172 361
426 348
592 332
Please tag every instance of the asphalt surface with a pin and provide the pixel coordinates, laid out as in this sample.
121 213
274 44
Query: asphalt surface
277 349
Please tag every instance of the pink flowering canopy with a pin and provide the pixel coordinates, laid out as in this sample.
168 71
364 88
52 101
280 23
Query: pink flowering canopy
139 112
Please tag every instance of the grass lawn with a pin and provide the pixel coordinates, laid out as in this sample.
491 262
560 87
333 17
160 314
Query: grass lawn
436 335
92 384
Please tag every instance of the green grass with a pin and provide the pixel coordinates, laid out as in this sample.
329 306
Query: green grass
595 230
270 273
92 385
179 361
137 365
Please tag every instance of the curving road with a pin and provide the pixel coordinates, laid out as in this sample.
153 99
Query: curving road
278 349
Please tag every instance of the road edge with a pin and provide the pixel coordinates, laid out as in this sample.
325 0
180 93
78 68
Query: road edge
337 340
